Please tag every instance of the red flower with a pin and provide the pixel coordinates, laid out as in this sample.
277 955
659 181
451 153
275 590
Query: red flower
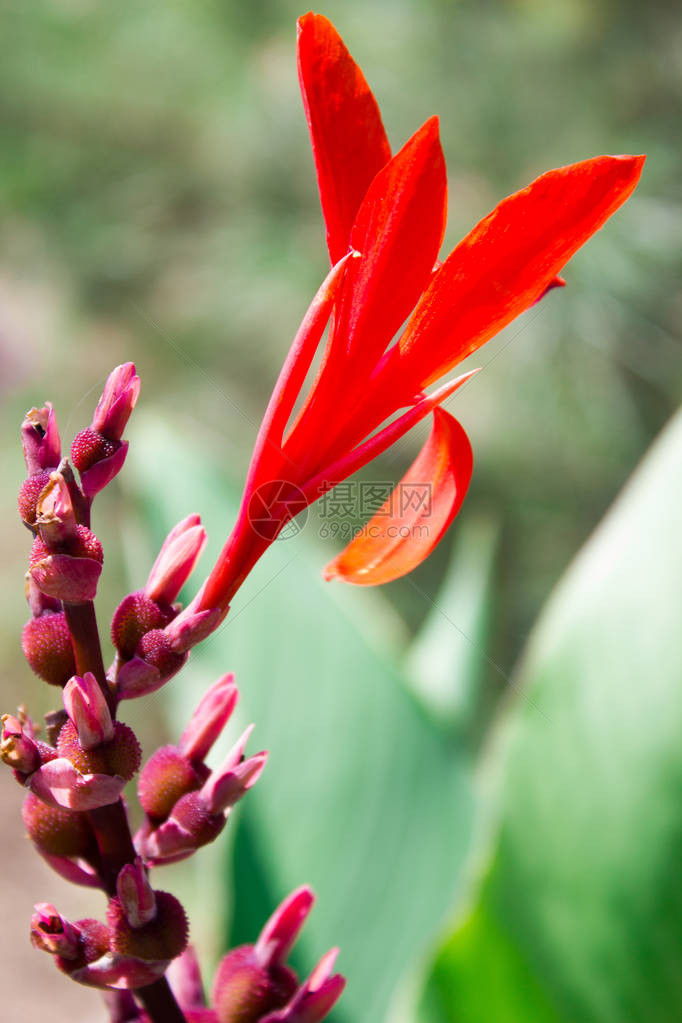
385 219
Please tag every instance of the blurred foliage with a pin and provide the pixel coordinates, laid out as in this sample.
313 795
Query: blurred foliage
578 916
159 204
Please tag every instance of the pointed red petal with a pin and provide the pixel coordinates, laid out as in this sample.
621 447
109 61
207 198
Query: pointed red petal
398 232
348 138
508 260
409 525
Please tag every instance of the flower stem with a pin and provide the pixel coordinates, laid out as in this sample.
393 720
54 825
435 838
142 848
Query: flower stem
159 1002
87 649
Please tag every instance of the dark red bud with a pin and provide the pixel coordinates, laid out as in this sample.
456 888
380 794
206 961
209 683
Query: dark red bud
90 447
164 937
46 643
166 778
244 991
121 756
136 615
29 493
56 831
83 545
194 817
155 649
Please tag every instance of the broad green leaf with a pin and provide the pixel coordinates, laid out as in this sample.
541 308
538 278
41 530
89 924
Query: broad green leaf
446 663
578 916
362 798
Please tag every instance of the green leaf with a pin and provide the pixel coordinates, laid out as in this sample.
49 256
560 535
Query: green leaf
446 663
362 798
578 916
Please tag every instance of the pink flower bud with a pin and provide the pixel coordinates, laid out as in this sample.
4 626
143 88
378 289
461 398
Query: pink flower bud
157 938
177 557
314 999
167 776
244 991
87 708
46 642
135 894
29 496
17 749
117 402
52 933
209 718
282 929
121 755
136 615
40 439
97 459
192 625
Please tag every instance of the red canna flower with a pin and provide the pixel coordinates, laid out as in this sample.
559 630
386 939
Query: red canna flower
385 219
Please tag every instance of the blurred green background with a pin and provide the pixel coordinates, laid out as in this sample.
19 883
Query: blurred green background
159 205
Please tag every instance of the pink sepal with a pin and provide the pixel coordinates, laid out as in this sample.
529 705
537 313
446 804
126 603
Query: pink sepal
123 972
177 557
118 400
86 705
190 627
58 783
229 783
282 929
137 678
66 578
184 977
102 473
74 871
209 719
136 894
168 840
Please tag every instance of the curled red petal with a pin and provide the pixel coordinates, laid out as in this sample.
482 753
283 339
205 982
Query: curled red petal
348 138
411 522
507 261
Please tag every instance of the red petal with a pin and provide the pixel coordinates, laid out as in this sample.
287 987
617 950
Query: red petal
508 260
348 138
398 232
397 539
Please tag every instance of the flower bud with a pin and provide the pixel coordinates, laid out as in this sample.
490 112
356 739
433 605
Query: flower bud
155 663
209 718
160 938
192 626
279 934
17 749
136 615
29 495
314 999
55 515
178 556
72 574
87 708
120 756
56 831
164 780
244 991
40 439
46 642
118 400
98 459
52 933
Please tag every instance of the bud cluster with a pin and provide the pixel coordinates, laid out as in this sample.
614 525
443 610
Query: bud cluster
75 769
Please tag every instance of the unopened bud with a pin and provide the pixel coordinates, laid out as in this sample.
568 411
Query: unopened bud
314 999
161 938
209 718
71 575
17 749
46 642
117 402
177 557
277 938
40 439
52 933
87 708
55 515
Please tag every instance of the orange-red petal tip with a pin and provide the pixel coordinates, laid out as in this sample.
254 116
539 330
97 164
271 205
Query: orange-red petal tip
412 521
